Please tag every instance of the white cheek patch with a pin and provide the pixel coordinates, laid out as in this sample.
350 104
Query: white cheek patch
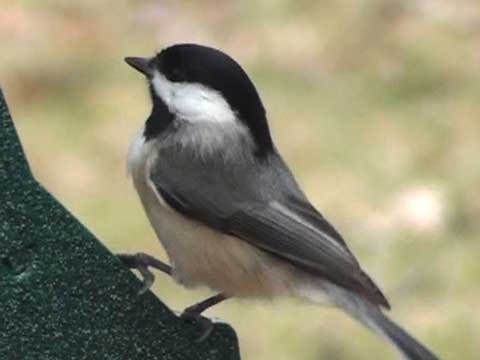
193 102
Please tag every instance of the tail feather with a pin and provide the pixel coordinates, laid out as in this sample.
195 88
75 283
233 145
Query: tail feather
373 318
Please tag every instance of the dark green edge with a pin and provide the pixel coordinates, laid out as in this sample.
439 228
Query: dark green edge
63 295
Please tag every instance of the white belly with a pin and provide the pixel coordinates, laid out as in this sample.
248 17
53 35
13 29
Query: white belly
200 255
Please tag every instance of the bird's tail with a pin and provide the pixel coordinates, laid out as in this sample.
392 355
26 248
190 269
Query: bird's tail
373 318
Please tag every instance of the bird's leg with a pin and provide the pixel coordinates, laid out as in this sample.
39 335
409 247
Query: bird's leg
142 262
194 312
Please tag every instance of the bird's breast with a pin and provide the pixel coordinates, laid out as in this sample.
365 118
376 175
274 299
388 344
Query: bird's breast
199 254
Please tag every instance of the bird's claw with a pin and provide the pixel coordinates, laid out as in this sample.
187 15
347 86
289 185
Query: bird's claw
143 262
206 325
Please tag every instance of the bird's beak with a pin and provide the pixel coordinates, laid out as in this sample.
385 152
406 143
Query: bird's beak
140 64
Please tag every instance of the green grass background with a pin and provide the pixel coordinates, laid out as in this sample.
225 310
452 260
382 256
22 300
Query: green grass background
375 104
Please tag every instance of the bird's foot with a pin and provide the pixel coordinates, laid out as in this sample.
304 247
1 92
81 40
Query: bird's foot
194 313
206 325
143 262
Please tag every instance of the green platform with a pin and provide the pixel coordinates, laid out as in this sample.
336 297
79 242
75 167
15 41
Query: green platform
64 296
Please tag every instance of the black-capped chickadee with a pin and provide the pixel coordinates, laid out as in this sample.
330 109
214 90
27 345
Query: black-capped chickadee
226 207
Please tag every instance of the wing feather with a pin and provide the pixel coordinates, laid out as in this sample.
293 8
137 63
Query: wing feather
273 216
291 237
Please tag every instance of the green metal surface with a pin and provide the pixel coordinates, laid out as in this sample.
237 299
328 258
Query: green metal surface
64 296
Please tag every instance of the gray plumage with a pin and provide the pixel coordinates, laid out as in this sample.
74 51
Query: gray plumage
225 205
258 200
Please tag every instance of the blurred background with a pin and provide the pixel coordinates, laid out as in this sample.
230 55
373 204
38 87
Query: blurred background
374 104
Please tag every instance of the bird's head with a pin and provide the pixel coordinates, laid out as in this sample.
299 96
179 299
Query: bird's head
199 84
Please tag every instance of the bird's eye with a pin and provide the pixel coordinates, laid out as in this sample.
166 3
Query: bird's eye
176 75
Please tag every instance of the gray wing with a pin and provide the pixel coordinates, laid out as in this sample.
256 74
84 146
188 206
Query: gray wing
303 237
271 213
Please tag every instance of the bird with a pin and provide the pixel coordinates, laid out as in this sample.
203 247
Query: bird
225 205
